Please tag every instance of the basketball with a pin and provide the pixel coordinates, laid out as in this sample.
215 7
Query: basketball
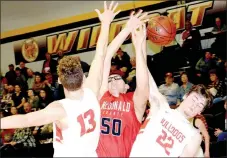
161 30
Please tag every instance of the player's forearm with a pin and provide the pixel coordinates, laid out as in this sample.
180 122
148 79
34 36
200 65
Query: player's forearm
207 143
116 43
141 71
16 121
103 40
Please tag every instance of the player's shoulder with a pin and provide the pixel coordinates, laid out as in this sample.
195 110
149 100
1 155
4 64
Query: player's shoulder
129 95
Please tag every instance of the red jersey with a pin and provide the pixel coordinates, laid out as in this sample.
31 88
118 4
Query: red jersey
119 125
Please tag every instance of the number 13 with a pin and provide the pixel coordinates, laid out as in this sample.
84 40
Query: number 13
161 140
91 122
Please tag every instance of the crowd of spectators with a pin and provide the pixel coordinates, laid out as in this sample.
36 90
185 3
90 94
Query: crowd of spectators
24 91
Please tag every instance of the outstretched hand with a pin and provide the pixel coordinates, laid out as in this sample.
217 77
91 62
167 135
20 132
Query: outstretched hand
136 20
108 15
139 35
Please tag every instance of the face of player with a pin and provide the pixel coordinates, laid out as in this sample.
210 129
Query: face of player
116 85
193 104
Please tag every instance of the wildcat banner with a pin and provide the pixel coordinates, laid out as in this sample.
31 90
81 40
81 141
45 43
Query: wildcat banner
82 36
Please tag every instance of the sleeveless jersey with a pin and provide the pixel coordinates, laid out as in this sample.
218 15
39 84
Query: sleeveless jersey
83 127
119 125
164 134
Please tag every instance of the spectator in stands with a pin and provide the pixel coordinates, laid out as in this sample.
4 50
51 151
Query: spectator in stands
11 75
49 65
20 79
114 69
184 88
13 110
24 140
60 55
44 99
18 98
7 95
33 100
84 65
122 59
170 90
216 87
31 78
23 70
203 66
38 84
51 86
222 135
190 41
131 78
219 26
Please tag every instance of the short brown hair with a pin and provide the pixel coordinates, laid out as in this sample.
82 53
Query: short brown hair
202 90
70 73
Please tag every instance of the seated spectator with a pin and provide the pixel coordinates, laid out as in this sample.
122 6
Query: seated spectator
219 26
184 88
7 96
51 85
44 99
170 90
24 141
216 87
131 78
23 70
13 110
222 135
31 78
20 79
11 75
38 84
122 59
33 99
18 98
85 67
114 69
49 65
203 66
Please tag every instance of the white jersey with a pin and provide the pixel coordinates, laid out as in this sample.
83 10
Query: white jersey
163 135
81 137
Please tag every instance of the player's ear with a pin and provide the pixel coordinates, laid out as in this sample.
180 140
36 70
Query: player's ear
59 82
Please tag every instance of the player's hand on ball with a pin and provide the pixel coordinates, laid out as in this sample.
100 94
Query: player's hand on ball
139 35
108 15
136 20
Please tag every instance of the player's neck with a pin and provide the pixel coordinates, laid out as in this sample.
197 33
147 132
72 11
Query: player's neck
74 95
181 111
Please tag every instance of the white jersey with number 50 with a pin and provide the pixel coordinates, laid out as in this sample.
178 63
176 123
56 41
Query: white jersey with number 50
163 135
80 138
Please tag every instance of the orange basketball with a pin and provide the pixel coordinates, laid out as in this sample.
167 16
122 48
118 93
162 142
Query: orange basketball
161 30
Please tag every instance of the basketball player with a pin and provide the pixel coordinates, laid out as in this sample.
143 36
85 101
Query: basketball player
121 112
76 118
167 132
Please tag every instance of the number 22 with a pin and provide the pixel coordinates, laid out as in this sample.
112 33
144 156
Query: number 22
91 121
161 139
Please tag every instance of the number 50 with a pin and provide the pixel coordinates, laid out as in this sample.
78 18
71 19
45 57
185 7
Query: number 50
116 126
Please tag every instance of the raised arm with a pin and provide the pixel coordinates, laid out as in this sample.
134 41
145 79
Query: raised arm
156 99
140 96
53 112
94 78
134 22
